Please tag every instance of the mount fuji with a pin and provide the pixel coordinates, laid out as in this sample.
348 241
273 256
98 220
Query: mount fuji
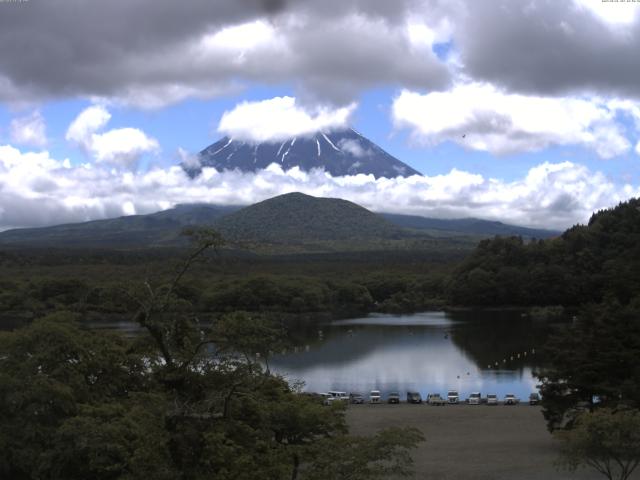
339 152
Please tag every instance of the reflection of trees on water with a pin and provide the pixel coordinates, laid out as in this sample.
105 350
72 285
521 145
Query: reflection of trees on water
490 337
345 344
483 337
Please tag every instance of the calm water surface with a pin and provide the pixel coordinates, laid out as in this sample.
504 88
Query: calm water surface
486 351
427 352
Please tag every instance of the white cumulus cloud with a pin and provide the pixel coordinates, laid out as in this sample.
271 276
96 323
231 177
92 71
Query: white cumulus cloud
481 117
37 190
240 38
615 13
280 118
29 130
121 146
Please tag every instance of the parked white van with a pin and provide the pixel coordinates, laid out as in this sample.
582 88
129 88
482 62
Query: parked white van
342 396
374 396
474 398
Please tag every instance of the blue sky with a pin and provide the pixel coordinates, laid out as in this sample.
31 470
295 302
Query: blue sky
527 114
192 125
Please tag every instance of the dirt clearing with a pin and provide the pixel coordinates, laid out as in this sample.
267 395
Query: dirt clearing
473 441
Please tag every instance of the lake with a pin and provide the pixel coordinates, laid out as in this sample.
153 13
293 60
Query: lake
431 352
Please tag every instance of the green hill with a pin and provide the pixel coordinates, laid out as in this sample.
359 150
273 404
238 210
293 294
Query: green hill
295 218
287 223
291 219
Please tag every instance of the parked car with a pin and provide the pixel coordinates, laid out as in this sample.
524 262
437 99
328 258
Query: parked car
414 397
492 399
534 399
340 396
474 398
453 397
355 397
435 399
326 398
374 396
394 397
510 399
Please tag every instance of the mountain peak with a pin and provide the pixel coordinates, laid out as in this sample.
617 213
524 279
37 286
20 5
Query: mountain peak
339 152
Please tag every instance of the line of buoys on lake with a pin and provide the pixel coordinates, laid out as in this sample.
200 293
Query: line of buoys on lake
512 358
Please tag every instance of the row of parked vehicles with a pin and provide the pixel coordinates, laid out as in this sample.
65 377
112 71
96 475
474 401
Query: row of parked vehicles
436 399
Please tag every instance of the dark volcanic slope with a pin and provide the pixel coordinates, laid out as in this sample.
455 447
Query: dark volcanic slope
469 226
161 228
340 153
292 219
297 218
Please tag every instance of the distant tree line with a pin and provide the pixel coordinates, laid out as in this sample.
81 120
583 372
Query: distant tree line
312 296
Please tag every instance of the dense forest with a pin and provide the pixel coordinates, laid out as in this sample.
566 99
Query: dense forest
593 269
186 400
587 263
158 407
304 287
593 363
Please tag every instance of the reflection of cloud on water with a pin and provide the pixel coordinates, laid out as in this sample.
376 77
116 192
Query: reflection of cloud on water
386 358
531 381
434 319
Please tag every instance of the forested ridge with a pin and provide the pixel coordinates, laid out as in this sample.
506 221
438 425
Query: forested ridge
587 263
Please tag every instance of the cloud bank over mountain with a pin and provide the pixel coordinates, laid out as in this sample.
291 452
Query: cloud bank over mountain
497 76
280 118
39 190
516 74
